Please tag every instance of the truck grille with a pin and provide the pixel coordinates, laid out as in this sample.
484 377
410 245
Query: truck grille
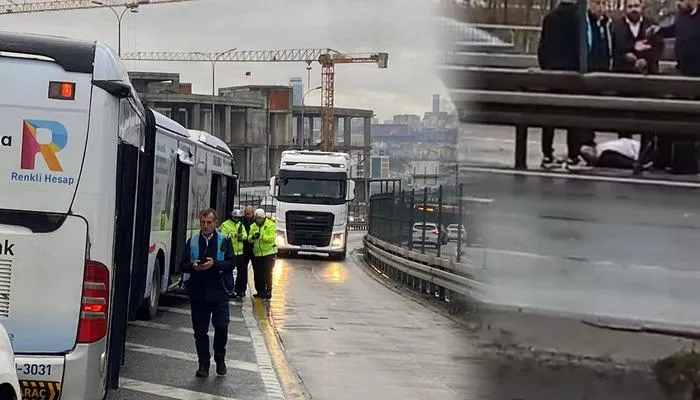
309 228
5 272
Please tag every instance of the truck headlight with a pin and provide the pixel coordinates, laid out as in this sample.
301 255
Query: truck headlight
280 239
338 242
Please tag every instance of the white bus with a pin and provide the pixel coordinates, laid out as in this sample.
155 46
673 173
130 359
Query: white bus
84 167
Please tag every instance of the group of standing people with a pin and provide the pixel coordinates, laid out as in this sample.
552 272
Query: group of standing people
632 43
208 264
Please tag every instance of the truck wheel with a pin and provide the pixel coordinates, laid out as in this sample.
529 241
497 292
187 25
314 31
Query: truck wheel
150 307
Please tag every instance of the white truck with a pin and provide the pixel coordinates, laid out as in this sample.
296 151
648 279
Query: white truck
313 189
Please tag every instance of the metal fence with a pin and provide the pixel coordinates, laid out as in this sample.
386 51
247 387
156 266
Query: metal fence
398 217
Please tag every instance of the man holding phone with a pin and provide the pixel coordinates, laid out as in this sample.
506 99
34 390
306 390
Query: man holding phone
209 261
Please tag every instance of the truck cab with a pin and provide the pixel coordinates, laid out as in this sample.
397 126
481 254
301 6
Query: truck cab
312 190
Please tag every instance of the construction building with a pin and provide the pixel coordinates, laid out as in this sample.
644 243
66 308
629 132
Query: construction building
257 122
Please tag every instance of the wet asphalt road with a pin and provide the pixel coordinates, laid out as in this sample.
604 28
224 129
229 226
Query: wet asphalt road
160 359
623 250
349 337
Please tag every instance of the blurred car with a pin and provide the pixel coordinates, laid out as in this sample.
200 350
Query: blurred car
453 232
9 383
433 234
355 218
464 37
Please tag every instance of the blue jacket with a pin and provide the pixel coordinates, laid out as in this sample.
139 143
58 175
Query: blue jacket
216 283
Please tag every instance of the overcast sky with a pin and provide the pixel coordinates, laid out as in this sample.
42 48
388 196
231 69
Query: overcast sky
400 27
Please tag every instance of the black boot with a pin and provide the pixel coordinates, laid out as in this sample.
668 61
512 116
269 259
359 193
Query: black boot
220 360
203 370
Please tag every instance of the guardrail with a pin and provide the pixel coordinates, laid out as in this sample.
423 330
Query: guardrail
623 103
515 61
435 277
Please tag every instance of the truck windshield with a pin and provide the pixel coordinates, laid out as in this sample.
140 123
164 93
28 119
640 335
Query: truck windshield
321 191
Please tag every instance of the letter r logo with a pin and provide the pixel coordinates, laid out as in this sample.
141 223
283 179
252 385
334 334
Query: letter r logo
31 146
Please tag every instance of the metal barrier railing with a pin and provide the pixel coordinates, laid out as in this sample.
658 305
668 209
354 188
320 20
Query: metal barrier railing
403 217
447 280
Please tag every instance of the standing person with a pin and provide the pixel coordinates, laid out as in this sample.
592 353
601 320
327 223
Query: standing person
600 59
558 50
686 30
600 42
262 234
234 229
209 261
676 153
635 49
242 267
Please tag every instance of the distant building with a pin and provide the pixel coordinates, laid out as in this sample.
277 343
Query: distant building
408 119
379 167
436 104
297 90
425 173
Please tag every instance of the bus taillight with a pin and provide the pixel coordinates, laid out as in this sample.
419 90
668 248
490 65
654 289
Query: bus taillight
95 303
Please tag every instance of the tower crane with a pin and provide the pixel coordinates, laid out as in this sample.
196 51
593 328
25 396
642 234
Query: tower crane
64 5
328 58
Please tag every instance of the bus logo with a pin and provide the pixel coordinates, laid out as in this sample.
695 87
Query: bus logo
31 146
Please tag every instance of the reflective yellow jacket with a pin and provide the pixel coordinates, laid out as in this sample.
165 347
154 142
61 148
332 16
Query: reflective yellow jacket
265 244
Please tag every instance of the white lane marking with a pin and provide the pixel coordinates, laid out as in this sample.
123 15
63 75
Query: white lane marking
164 327
477 199
656 182
598 263
184 311
267 370
181 355
167 391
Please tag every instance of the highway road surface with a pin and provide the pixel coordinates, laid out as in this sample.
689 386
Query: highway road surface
348 334
624 250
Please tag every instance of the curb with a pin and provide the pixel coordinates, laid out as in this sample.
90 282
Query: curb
289 379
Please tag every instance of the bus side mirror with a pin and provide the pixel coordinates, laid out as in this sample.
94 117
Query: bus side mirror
274 189
351 190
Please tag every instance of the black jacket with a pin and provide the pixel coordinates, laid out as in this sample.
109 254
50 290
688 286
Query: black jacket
600 53
558 47
207 285
687 47
623 43
559 39
247 246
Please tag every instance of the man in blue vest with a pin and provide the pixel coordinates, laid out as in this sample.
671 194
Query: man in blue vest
209 261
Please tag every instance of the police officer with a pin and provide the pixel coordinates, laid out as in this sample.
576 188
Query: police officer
262 235
209 262
242 280
234 229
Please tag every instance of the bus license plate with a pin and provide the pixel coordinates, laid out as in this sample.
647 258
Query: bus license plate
307 247
39 369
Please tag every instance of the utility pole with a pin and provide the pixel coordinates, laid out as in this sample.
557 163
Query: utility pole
133 7
216 57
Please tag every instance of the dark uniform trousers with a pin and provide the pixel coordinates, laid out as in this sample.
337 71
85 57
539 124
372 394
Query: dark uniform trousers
206 312
262 270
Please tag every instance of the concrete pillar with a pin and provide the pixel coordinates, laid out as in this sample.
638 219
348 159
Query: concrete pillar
196 117
347 137
311 142
227 124
300 131
175 114
367 143
336 134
